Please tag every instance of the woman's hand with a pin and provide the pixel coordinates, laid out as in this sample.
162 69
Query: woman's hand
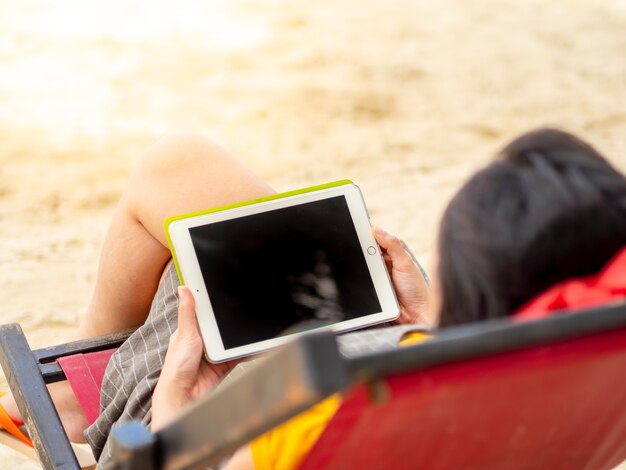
185 375
411 288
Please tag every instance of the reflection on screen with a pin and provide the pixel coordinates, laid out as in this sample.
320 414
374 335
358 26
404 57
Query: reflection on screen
284 271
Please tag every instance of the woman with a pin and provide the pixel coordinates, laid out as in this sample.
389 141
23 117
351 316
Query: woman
550 208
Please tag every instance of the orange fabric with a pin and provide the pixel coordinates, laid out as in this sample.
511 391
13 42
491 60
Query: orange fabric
11 426
607 286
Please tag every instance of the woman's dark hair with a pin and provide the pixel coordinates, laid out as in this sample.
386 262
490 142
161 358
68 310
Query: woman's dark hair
548 209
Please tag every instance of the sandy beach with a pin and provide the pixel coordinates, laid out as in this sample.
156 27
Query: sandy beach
406 98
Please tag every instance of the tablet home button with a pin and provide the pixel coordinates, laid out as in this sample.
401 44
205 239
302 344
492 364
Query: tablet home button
371 250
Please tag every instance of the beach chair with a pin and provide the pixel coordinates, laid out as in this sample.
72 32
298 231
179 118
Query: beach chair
500 394
28 371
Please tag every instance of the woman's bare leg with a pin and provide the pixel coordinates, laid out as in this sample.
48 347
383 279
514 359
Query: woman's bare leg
180 173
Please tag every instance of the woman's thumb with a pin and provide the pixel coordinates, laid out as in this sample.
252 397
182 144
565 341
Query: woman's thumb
186 312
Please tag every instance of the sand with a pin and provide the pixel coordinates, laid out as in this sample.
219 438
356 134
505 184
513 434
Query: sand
407 98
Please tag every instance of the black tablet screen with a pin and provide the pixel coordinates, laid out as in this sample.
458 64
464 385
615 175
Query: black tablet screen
284 271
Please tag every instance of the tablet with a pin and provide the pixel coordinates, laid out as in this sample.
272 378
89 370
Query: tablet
267 270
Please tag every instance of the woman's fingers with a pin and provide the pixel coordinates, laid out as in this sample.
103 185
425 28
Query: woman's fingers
393 247
407 278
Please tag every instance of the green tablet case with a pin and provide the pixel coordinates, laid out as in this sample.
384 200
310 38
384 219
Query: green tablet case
240 204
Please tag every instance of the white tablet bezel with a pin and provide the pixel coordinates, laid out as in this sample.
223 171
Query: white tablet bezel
189 269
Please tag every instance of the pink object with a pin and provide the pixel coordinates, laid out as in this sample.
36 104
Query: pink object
85 372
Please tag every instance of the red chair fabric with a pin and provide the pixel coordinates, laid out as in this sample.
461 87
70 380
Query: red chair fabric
559 407
85 372
602 288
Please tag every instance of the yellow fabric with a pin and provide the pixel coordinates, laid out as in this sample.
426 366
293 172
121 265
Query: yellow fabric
285 447
413 337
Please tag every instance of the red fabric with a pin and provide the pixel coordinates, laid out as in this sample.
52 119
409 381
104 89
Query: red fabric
558 407
85 372
607 286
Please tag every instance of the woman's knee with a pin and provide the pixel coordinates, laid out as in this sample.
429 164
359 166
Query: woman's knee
185 172
180 155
